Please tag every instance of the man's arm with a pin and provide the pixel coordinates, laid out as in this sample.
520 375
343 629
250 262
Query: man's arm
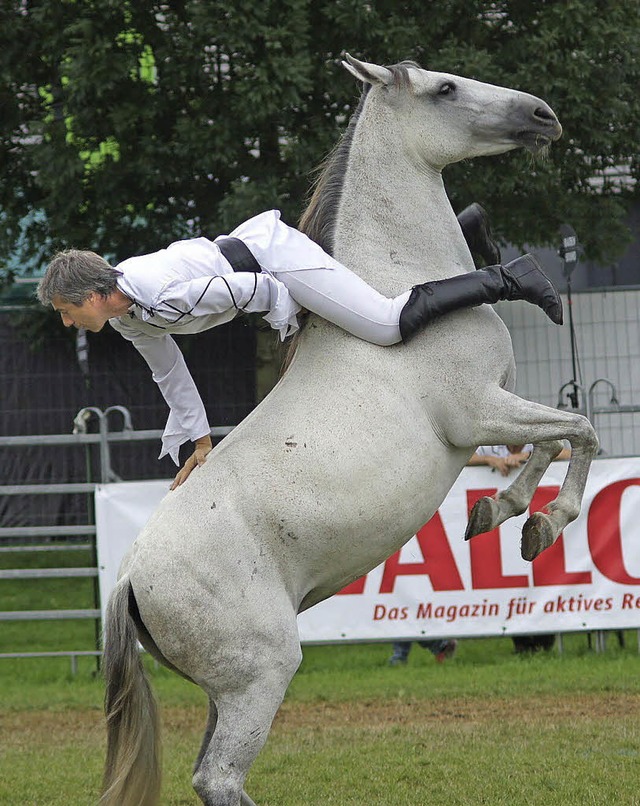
188 418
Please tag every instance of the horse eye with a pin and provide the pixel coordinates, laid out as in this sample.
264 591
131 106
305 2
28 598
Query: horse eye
447 88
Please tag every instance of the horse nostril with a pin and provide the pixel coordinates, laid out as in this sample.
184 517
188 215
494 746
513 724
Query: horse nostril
545 114
545 117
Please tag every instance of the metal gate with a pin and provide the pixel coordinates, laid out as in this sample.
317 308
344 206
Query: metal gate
49 539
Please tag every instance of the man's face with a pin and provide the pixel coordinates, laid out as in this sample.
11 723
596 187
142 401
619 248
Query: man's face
89 314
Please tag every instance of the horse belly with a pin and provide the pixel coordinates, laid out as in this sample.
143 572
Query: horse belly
329 497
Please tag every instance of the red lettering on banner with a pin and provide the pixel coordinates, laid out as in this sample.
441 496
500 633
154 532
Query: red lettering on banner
438 561
355 587
380 611
630 601
550 567
484 550
603 531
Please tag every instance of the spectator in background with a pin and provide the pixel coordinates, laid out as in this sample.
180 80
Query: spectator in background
440 649
533 643
504 458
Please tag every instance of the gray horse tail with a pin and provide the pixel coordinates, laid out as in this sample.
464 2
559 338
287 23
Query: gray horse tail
132 767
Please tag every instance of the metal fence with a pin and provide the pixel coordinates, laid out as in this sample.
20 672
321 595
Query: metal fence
50 538
607 361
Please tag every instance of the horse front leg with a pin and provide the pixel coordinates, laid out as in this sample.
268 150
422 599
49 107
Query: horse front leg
502 418
542 529
490 511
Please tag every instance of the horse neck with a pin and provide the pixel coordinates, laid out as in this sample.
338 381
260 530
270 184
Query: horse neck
395 225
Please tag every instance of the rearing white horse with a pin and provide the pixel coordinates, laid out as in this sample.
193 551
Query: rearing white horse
351 453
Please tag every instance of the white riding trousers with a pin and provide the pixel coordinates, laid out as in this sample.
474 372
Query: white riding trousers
341 297
315 280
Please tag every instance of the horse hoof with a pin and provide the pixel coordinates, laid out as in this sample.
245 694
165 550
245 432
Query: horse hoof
537 535
482 517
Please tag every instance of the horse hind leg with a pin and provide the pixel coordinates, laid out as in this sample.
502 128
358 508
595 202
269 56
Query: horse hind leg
211 726
490 511
240 718
243 722
245 800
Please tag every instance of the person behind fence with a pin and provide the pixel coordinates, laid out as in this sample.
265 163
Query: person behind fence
505 458
262 266
441 649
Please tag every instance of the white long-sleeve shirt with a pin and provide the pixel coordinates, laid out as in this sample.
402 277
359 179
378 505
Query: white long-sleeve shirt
190 287
501 450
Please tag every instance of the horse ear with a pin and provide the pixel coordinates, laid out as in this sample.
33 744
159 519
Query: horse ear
368 73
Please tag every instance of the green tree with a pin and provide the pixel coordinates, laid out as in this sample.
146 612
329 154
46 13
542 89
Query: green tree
130 123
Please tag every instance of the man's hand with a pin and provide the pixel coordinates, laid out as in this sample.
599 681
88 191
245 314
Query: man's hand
203 447
503 464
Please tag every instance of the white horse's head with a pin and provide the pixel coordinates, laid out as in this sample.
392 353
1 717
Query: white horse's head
443 118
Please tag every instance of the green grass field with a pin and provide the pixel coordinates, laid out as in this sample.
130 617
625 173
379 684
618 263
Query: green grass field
486 727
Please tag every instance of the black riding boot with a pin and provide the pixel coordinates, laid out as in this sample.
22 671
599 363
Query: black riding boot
523 278
474 223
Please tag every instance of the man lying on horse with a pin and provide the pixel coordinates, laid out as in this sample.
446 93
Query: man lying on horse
263 266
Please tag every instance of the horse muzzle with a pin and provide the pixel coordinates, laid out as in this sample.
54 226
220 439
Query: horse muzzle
537 141
539 127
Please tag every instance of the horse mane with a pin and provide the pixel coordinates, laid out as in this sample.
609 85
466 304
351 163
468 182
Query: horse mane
318 220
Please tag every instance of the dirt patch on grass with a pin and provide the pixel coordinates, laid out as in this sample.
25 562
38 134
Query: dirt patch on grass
27 728
32 727
541 709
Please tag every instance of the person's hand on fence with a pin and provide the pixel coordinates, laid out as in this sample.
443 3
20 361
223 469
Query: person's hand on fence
203 447
503 464
514 460
499 463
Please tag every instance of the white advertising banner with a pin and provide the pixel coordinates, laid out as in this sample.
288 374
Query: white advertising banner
438 585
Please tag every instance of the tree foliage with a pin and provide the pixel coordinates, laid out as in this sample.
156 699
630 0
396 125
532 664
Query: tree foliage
129 123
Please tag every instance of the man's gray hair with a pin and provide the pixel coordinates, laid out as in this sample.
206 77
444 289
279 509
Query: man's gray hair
75 274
